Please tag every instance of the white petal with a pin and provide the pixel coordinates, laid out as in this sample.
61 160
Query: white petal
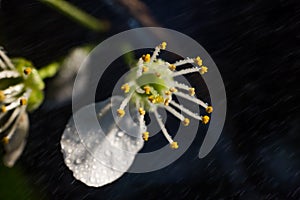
15 147
100 156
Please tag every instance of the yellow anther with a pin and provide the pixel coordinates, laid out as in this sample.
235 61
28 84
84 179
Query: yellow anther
167 100
23 101
157 74
151 99
205 119
146 57
27 70
163 45
3 109
145 136
5 140
174 145
192 91
173 89
145 69
186 122
199 61
159 99
203 70
147 89
209 109
172 67
2 96
167 93
120 112
142 111
125 88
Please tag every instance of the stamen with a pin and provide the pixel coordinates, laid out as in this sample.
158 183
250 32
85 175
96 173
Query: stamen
172 67
124 103
193 99
140 64
155 54
27 70
185 87
120 112
125 88
162 46
2 65
3 109
150 90
146 57
145 69
5 140
10 120
174 145
23 101
203 70
162 126
9 74
156 99
13 105
198 60
142 123
167 100
186 121
185 61
205 119
173 90
168 93
13 90
2 96
192 91
186 71
185 110
209 109
143 128
181 86
12 130
142 111
175 113
6 60
147 89
145 136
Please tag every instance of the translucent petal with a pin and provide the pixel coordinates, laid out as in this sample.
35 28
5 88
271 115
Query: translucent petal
15 147
98 156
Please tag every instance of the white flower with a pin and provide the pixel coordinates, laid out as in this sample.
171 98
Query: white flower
20 90
99 152
152 85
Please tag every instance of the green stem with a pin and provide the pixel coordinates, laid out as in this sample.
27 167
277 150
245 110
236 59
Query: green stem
49 70
77 15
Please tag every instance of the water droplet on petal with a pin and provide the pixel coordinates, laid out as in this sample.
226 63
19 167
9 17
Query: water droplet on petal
120 134
78 161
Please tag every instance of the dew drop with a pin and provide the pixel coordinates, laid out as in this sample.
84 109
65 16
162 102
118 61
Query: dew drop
120 134
78 161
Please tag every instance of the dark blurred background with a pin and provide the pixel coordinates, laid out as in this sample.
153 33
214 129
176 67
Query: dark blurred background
255 45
